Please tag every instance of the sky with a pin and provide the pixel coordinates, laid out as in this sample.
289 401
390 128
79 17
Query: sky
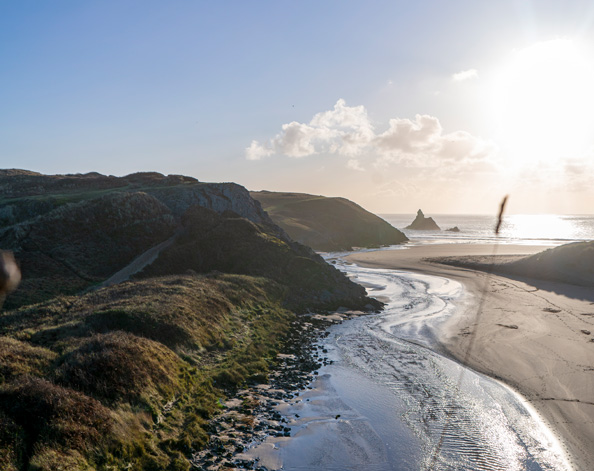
396 105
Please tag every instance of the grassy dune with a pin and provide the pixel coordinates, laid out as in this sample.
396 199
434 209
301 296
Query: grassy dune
571 263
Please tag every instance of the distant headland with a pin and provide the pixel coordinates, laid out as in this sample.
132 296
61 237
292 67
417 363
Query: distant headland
327 224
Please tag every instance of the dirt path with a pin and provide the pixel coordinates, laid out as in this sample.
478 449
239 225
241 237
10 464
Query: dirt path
138 263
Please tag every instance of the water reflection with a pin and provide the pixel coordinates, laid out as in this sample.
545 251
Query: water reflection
478 423
386 402
540 226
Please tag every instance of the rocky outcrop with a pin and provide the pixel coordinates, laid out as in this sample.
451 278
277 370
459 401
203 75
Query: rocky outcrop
422 223
327 224
453 229
29 194
219 197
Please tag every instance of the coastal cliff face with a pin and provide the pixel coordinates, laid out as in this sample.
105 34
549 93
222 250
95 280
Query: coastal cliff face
327 224
127 375
25 195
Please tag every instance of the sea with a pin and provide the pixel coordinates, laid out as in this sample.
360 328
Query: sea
390 401
531 229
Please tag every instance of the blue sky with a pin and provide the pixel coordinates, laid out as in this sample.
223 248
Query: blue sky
187 86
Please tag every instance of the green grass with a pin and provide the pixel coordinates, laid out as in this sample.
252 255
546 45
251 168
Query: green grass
75 246
21 358
64 197
87 378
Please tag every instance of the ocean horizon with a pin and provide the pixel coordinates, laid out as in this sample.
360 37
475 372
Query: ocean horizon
533 229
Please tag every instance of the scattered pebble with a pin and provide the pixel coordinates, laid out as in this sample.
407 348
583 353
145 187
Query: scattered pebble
250 417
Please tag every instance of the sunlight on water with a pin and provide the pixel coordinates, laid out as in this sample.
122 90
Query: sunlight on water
387 402
490 426
539 229
538 226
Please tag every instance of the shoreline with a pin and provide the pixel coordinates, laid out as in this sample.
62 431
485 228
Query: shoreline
255 420
534 335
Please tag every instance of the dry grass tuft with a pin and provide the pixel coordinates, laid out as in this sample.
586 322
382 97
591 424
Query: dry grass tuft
20 358
55 416
119 366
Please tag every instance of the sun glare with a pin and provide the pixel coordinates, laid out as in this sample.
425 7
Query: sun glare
538 227
544 97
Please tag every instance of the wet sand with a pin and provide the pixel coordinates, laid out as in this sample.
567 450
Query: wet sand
536 336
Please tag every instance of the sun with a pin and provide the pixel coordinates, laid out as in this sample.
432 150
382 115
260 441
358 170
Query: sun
543 103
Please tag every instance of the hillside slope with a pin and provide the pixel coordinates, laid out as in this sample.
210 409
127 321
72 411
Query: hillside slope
72 232
127 376
210 241
327 224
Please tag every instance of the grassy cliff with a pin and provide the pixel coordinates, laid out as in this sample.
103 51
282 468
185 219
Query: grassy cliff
127 376
72 232
327 224
231 244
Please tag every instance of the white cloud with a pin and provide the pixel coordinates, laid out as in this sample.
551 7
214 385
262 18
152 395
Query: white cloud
397 188
343 130
347 131
461 145
406 136
465 75
256 151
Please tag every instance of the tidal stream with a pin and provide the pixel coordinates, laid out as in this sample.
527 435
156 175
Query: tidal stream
390 402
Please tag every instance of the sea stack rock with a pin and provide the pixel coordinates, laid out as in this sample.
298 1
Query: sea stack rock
453 229
421 223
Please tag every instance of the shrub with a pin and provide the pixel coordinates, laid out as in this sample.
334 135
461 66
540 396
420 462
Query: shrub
119 366
12 442
18 358
53 415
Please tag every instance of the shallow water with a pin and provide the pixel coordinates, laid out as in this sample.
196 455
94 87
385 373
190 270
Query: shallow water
388 402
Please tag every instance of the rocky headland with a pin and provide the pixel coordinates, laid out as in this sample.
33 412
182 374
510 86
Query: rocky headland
327 224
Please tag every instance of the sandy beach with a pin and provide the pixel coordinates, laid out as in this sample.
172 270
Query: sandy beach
536 336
